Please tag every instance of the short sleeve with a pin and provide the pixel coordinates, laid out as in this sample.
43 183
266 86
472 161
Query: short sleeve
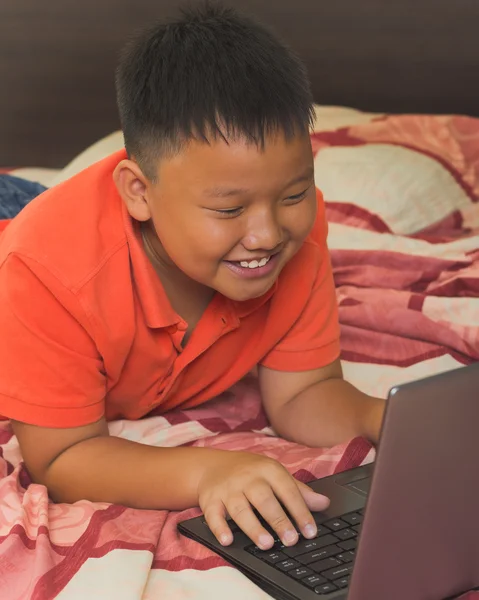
51 374
3 224
313 341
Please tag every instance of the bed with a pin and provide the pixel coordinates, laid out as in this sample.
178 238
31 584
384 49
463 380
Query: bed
396 147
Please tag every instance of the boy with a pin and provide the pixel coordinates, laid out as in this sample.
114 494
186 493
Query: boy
162 275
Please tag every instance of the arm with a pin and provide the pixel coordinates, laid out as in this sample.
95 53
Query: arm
319 408
86 463
301 380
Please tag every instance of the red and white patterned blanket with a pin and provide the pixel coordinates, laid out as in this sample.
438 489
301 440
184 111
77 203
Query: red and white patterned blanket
402 197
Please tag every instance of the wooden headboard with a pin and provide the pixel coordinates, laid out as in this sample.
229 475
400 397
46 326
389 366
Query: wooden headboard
58 57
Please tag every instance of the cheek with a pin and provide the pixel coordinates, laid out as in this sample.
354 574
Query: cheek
195 237
301 222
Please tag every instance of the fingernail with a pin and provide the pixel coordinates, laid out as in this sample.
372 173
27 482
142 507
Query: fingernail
290 536
310 531
225 539
265 541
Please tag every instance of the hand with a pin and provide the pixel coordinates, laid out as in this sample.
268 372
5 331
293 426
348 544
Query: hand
240 481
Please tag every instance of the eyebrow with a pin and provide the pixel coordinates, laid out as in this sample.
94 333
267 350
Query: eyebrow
224 192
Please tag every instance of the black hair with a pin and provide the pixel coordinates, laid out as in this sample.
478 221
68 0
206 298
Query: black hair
210 73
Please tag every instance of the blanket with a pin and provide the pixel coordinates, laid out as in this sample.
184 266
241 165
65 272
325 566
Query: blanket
402 202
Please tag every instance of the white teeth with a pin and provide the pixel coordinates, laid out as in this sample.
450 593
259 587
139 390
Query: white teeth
254 264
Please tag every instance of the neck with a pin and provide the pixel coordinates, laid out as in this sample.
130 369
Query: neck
182 291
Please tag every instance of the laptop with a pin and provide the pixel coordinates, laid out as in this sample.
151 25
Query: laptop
406 528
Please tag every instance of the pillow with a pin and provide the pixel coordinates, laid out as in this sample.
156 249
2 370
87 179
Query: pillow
400 173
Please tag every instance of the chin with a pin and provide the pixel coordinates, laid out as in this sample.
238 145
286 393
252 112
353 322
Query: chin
245 295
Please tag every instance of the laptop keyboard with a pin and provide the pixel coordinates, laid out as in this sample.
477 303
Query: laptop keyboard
322 564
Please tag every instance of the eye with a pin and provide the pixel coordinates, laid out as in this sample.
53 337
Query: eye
297 197
229 212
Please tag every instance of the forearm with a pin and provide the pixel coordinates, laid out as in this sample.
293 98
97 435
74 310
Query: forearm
111 469
328 413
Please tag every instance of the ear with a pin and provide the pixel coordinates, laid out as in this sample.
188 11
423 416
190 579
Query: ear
133 186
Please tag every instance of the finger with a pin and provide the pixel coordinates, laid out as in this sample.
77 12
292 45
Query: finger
241 512
264 500
292 496
314 501
215 516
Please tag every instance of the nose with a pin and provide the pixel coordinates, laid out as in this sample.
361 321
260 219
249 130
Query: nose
264 232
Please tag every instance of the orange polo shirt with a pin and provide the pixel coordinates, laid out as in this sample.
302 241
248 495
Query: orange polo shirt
86 329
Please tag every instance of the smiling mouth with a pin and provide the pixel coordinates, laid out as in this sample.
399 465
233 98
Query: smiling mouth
253 269
254 264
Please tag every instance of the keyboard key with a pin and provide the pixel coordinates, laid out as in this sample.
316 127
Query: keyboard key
320 554
357 528
338 572
269 556
304 546
252 549
326 588
352 518
335 524
348 544
313 581
324 565
346 557
342 583
322 531
345 534
300 573
287 565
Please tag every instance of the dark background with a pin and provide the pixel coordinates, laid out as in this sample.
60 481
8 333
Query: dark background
57 59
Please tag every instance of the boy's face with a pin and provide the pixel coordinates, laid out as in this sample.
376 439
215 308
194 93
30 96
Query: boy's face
230 216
